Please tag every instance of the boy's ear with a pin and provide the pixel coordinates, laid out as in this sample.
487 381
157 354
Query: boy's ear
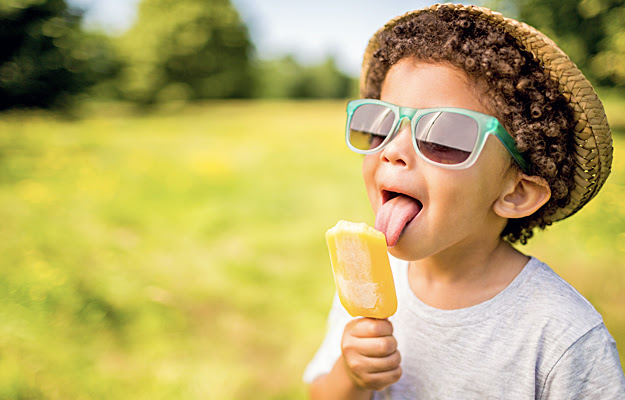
523 195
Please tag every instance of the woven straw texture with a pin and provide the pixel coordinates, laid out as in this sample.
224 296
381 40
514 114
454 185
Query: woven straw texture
592 133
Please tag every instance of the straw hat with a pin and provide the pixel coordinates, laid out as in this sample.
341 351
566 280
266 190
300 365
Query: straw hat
592 133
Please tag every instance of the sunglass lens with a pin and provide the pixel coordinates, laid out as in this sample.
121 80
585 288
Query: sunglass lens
370 125
446 137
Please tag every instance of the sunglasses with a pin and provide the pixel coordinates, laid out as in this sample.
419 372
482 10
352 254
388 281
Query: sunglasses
446 137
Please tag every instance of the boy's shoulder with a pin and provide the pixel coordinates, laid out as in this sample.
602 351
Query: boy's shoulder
554 304
547 286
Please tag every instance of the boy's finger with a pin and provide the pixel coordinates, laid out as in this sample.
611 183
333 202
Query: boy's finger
376 347
370 327
382 364
381 380
362 367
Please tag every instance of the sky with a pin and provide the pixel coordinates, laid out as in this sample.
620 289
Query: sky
310 30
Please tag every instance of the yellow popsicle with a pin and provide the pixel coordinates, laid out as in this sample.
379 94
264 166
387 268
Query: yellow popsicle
362 272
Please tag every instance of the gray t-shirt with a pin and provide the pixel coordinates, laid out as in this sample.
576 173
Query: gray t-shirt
537 339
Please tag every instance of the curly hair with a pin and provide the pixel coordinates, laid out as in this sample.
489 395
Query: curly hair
515 89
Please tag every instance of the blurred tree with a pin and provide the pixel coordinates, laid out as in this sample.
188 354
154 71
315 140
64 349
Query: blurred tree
285 78
591 32
186 49
45 58
324 81
277 78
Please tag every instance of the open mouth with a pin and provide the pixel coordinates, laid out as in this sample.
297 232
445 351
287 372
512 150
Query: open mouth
388 195
396 212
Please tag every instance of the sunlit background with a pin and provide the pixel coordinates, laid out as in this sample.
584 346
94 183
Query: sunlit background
168 170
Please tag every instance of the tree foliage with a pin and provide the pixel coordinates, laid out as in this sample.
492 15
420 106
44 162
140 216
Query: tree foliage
177 50
45 57
286 78
591 32
186 49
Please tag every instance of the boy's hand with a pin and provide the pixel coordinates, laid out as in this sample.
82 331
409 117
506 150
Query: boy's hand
370 353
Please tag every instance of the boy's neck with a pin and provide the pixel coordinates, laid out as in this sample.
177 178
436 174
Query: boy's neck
448 282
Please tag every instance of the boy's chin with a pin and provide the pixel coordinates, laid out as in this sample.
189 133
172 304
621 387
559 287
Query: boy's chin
403 251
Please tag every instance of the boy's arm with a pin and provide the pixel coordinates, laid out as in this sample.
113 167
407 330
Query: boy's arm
337 385
369 361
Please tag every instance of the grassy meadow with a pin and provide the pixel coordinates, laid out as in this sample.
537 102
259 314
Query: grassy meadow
181 254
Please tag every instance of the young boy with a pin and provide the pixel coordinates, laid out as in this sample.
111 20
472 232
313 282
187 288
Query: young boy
476 129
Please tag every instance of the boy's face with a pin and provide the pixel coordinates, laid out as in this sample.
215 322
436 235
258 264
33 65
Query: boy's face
452 209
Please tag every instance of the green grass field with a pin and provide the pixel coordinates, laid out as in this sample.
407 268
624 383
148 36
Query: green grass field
181 255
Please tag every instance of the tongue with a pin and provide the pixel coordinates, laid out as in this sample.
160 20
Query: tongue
394 215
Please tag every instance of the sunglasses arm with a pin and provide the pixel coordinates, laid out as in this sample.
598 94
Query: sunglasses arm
510 145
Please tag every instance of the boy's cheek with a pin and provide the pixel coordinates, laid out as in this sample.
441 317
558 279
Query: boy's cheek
368 170
369 166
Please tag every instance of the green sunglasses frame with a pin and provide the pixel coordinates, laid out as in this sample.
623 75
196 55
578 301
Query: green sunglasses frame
487 125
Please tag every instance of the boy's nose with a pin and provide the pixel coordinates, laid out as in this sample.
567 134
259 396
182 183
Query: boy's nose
399 150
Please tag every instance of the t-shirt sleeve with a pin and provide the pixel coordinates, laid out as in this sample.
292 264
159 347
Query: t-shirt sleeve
330 348
589 369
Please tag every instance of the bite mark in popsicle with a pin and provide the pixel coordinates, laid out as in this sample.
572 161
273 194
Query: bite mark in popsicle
362 272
